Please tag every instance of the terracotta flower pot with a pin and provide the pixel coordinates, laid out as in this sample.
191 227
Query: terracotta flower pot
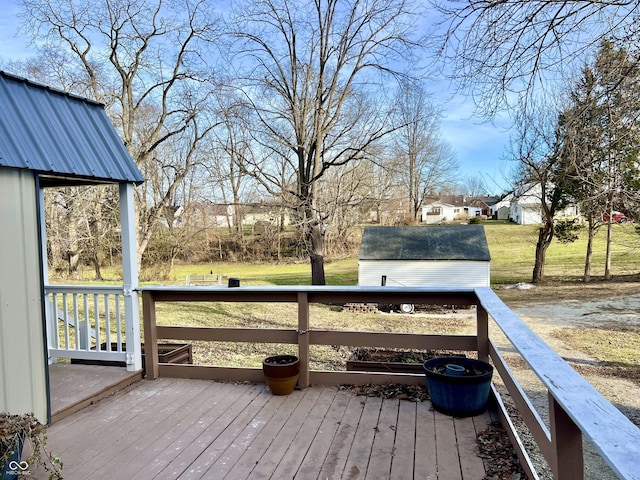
281 373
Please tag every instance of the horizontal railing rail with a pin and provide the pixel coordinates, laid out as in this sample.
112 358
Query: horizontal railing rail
576 409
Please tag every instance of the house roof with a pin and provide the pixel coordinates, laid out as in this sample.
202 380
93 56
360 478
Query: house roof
434 242
56 133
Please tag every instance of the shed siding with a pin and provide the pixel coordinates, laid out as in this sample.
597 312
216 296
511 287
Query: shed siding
22 359
425 273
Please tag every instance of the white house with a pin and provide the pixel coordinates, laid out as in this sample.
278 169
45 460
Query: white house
437 255
526 205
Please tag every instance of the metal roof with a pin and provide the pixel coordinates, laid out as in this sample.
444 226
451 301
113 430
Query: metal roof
56 133
435 242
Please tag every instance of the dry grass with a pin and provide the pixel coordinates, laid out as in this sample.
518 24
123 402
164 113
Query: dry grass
617 346
559 291
279 315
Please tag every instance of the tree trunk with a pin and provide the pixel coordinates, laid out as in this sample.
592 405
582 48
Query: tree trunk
587 262
96 267
607 262
545 235
316 254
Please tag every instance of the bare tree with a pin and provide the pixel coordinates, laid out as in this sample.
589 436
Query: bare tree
311 68
501 50
345 194
535 146
232 147
425 162
144 60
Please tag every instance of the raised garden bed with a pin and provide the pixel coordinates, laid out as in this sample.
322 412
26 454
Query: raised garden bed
167 353
389 361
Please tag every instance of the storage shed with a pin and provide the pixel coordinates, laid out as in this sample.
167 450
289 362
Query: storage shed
434 256
49 138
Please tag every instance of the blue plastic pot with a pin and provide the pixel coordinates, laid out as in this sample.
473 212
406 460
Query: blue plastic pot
458 395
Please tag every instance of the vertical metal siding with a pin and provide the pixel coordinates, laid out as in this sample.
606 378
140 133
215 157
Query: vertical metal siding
22 362
425 273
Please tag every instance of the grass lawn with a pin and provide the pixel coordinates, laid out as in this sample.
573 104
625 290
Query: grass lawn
276 315
512 250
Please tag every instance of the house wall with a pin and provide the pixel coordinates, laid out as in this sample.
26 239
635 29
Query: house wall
502 213
427 273
22 357
526 214
447 213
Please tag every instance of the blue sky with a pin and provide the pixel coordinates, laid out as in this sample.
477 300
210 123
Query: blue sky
479 145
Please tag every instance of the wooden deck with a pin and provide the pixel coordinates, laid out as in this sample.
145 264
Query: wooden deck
178 428
75 386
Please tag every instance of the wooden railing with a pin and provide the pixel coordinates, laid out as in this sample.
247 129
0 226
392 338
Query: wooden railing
90 323
576 409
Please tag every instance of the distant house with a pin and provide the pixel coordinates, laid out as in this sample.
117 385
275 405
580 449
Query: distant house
501 210
444 208
447 208
526 205
484 204
273 214
438 256
436 212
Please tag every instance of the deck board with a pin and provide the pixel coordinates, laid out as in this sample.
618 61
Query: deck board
471 465
324 437
404 449
179 453
426 459
254 452
383 440
178 428
446 448
360 454
336 458
76 386
293 457
217 441
283 439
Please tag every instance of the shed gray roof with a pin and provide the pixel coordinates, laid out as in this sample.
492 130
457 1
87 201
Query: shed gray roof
53 132
448 242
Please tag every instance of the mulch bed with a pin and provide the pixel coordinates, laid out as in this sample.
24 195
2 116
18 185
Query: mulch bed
412 393
363 354
500 460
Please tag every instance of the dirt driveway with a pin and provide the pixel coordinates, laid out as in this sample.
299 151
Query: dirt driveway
548 310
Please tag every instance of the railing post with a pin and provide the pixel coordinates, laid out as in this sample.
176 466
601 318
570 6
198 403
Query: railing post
482 320
566 441
130 278
303 338
150 335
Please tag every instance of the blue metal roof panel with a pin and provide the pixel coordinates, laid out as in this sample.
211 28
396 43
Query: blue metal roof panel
50 131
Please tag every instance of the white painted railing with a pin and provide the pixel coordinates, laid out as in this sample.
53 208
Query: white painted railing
89 323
